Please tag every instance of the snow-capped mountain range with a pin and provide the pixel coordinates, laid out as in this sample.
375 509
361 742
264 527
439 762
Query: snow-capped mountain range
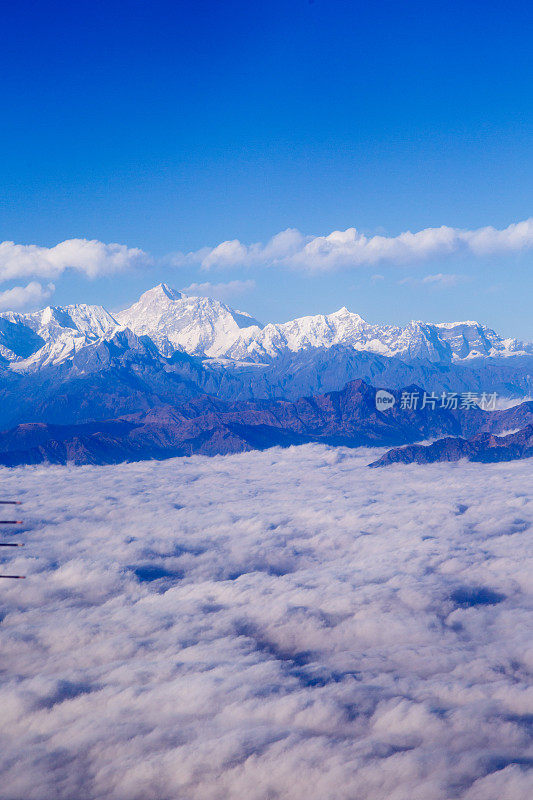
79 363
203 326
208 329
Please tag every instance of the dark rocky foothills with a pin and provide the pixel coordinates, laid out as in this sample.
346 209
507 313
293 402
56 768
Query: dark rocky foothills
211 426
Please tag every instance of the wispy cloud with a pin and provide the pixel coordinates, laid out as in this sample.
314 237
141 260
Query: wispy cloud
351 249
225 635
220 291
440 280
23 297
90 257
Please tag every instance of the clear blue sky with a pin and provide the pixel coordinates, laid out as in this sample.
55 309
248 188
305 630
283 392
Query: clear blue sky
171 126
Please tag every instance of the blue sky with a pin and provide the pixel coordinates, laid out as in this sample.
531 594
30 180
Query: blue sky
172 127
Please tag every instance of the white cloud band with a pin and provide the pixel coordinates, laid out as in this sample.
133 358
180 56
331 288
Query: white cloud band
438 281
349 248
290 248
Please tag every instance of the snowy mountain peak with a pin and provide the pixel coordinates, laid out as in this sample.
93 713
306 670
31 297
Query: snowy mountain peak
47 315
159 292
343 312
92 321
33 339
201 325
58 331
176 321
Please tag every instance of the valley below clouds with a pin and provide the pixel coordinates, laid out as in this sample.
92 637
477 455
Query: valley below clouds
277 625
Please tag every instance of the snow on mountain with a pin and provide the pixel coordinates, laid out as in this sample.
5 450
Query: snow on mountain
92 321
472 340
51 335
417 340
210 329
176 321
201 325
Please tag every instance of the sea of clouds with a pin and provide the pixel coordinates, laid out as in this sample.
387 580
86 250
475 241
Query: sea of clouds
286 625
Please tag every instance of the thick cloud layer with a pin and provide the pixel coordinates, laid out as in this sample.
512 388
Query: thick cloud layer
286 624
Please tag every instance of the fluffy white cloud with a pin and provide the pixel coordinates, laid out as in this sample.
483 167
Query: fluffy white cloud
220 291
285 245
279 624
349 248
486 241
25 296
90 257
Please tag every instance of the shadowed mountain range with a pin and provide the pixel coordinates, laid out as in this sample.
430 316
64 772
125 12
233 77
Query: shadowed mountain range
211 426
485 447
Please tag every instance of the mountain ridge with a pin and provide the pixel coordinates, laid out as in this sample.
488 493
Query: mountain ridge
208 425
208 328
79 363
484 447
